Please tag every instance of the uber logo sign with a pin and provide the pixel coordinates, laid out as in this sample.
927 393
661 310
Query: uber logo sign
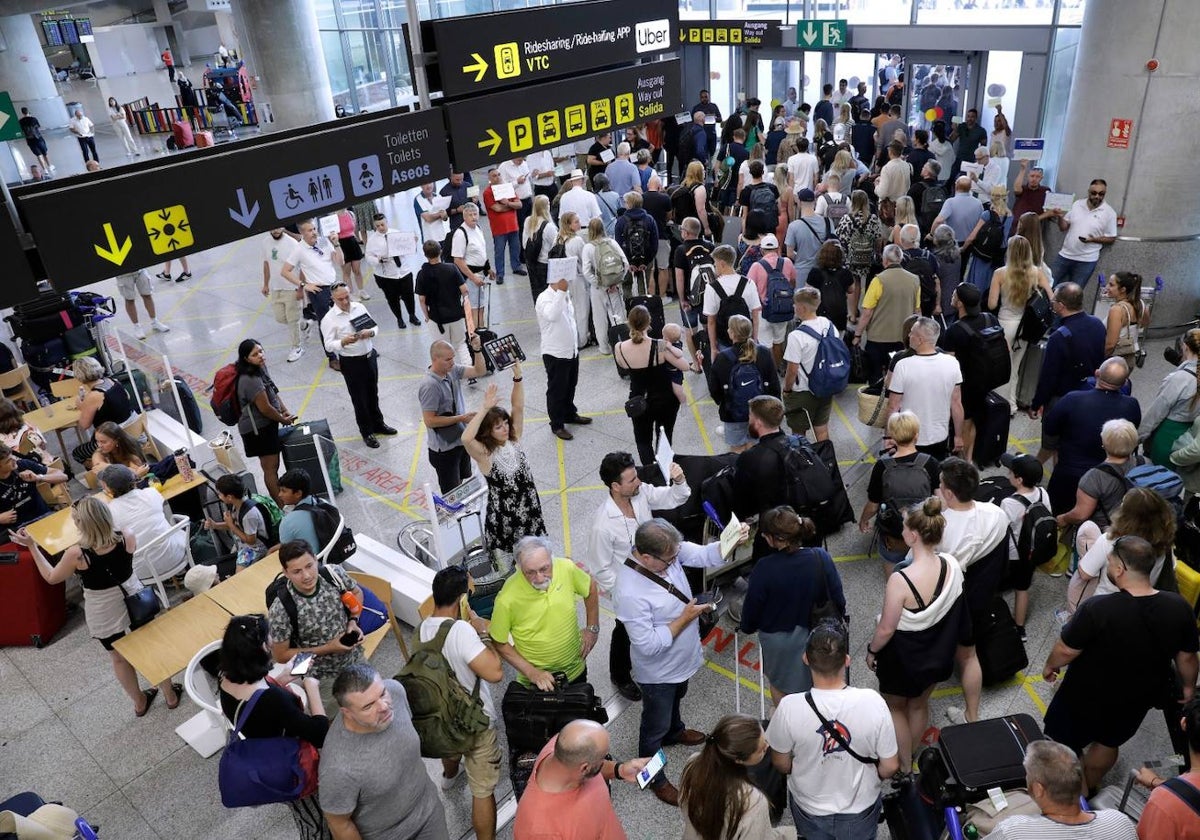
653 35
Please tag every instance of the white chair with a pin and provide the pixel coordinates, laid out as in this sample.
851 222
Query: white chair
207 731
145 569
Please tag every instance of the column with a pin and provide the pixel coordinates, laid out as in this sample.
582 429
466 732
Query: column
1152 183
25 74
283 53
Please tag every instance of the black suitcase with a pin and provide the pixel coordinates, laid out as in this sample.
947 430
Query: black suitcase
994 489
48 361
532 716
973 757
998 644
653 304
300 453
991 431
47 316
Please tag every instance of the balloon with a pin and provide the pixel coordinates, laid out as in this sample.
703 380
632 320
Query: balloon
996 90
804 83
940 112
852 82
931 114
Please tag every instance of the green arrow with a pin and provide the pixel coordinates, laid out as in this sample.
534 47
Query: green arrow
113 253
480 67
494 140
810 34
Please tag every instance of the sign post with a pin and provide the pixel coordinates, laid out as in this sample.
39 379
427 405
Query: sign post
821 34
1119 132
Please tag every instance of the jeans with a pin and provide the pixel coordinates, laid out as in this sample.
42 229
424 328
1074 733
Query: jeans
321 303
1072 271
861 826
88 145
512 241
661 723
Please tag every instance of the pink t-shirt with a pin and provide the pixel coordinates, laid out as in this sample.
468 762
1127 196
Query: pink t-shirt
585 813
345 224
758 275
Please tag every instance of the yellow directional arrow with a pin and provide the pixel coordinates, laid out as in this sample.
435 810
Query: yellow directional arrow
113 253
683 36
494 140
480 67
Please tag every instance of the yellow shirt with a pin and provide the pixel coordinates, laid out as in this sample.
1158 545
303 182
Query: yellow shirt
544 626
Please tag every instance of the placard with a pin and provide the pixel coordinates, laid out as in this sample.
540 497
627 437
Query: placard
1028 149
503 191
1059 201
562 268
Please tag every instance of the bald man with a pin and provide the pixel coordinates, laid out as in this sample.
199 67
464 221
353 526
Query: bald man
444 412
574 760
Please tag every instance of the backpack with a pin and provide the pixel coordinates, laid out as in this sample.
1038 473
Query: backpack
557 251
701 273
533 248
271 514
836 209
932 200
224 400
1161 480
446 717
448 246
765 200
989 245
919 263
860 251
1037 318
808 483
279 589
261 771
777 307
830 373
904 483
325 520
1038 540
608 264
637 241
745 383
730 305
986 362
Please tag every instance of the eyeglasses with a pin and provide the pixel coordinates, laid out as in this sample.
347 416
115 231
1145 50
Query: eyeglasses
666 561
1116 551
1098 194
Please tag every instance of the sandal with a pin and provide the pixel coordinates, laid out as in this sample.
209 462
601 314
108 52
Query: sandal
149 694
178 689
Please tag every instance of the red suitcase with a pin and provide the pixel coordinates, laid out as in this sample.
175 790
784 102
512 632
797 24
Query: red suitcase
182 132
31 610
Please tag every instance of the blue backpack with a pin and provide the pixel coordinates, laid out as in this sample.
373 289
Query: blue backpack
745 383
831 368
777 307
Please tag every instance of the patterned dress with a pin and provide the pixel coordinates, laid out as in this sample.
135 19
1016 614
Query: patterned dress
514 509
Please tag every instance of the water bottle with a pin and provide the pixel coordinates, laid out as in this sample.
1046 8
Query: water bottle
971 832
184 463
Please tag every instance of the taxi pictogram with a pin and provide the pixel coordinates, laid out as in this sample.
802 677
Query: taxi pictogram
169 229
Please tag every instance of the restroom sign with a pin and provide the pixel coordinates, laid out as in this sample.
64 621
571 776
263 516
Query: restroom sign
1119 131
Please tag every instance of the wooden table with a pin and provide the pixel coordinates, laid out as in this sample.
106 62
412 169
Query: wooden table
167 644
55 418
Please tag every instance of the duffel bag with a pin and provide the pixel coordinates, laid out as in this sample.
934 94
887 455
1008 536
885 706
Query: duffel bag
532 716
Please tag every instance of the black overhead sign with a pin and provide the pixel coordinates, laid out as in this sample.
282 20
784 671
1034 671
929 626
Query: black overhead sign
500 126
18 282
482 52
96 226
739 33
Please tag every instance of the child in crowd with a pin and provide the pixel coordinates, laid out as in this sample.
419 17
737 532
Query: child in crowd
1025 476
243 520
673 335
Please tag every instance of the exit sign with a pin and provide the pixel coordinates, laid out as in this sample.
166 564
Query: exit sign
821 34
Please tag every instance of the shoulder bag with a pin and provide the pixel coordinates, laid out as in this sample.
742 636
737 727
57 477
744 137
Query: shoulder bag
835 732
142 605
707 620
260 771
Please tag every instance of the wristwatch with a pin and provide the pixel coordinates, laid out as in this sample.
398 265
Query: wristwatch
595 628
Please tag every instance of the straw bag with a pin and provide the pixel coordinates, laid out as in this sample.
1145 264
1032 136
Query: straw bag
872 408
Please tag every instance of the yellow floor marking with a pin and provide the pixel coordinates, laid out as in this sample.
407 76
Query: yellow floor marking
687 389
562 502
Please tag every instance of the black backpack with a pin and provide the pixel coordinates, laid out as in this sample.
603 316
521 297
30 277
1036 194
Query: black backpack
1038 540
986 362
278 588
808 482
918 262
325 519
730 305
904 483
533 248
448 245
765 200
989 245
1037 318
932 200
557 251
637 241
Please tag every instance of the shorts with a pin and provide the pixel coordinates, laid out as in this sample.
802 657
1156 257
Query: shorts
1107 726
663 260
266 442
772 333
974 405
797 403
689 317
351 248
108 641
737 434
132 285
482 763
38 147
475 293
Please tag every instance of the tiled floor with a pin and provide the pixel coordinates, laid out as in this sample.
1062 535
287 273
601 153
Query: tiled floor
67 732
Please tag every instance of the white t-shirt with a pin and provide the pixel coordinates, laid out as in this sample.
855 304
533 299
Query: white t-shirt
1016 513
803 167
802 349
1095 564
582 203
511 172
729 283
462 645
275 253
1086 222
435 230
823 202
316 261
927 384
825 779
541 162
972 534
472 247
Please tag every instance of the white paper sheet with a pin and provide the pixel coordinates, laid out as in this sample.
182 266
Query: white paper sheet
1059 201
502 191
664 455
608 155
562 268
731 535
440 202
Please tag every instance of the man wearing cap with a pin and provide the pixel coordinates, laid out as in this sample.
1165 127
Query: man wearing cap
776 316
575 199
1025 476
960 340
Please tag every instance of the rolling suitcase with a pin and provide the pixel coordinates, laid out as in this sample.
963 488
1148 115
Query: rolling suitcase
998 644
181 133
300 453
31 610
1027 374
991 431
617 327
653 304
973 757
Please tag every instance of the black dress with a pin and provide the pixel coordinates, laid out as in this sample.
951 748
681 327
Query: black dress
662 406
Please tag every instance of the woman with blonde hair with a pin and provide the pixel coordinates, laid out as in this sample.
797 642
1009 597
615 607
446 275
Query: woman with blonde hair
608 304
845 168
982 265
103 559
786 211
1030 226
906 214
1011 288
745 350
1175 406
652 402
998 154
100 399
539 226
691 199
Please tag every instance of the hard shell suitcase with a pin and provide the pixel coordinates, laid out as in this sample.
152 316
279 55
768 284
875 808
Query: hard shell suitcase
31 610
484 332
204 139
653 304
998 644
991 431
300 452
532 716
615 324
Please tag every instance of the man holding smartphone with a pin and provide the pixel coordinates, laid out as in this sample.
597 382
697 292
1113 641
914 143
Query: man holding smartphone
348 332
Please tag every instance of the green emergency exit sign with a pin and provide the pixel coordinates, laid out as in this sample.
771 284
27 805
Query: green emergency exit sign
821 34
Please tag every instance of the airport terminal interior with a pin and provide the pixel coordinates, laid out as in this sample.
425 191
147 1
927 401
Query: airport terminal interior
67 730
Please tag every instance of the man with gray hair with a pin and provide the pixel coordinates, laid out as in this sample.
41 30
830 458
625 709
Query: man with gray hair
623 175
369 788
891 297
929 384
609 201
655 603
961 212
534 622
140 512
925 265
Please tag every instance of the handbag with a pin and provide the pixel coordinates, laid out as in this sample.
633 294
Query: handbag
142 606
639 404
262 771
872 408
707 620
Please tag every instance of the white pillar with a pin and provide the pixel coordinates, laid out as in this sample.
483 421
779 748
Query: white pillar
26 75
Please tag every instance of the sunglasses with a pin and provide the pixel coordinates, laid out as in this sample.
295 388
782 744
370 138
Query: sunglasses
1098 194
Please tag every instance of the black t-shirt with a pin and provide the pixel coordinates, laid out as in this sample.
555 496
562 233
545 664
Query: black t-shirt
31 128
658 205
679 258
758 222
596 149
917 158
834 286
439 284
875 484
21 496
278 713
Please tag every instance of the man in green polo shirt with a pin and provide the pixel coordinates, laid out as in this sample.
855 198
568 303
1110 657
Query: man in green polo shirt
536 610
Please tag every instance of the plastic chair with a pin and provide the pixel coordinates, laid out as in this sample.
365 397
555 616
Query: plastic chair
65 389
146 571
16 381
206 731
383 591
55 495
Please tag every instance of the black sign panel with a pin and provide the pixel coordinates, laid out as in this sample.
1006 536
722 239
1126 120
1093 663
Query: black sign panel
483 52
96 226
502 125
732 33
18 282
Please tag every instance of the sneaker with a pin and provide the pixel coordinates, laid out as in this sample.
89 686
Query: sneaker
1021 632
365 295
447 783
162 275
296 353
187 275
159 326
139 330
956 715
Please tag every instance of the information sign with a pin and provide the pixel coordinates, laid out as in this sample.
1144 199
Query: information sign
10 128
742 33
821 34
1028 149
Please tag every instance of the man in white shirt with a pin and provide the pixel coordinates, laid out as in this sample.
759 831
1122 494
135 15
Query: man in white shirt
321 264
991 176
1091 223
468 248
517 173
85 132
929 384
468 649
560 355
800 405
435 224
835 743
896 176
541 173
348 330
831 195
575 199
729 281
790 103
284 294
803 168
628 506
393 255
